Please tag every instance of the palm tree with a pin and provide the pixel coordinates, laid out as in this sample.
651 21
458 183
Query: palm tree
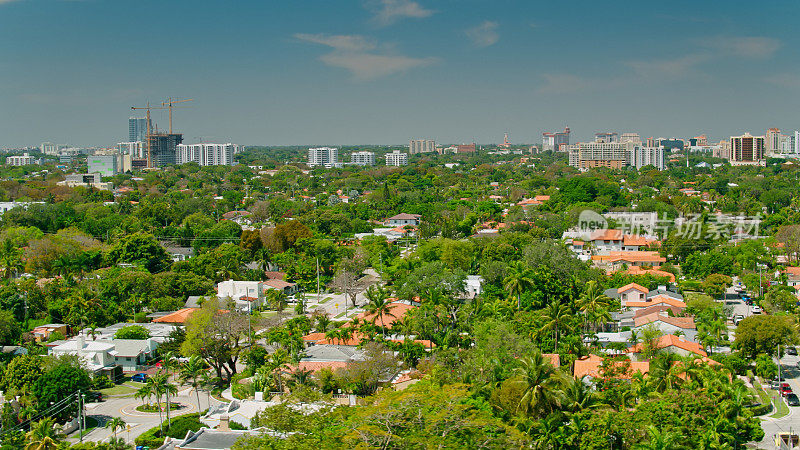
277 363
556 317
378 304
301 377
578 395
144 392
323 323
208 381
658 440
540 380
42 435
191 371
115 423
518 280
167 362
594 305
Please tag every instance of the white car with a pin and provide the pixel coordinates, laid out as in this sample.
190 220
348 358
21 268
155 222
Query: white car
755 309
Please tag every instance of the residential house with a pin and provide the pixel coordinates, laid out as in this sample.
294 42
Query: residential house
592 367
241 218
473 286
632 292
159 332
286 287
792 276
176 318
96 355
180 253
131 354
617 260
672 344
247 295
43 332
667 324
403 219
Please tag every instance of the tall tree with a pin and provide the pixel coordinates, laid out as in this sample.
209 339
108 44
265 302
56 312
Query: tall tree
519 278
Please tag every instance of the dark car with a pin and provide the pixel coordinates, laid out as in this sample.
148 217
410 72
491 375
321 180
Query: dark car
140 377
94 396
791 351
792 400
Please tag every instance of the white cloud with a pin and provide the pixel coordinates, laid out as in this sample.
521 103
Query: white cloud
352 42
369 66
483 35
363 58
756 47
388 12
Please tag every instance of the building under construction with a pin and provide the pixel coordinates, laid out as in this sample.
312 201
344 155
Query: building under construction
163 148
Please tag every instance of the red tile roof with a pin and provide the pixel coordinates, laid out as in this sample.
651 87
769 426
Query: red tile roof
397 311
670 340
630 286
680 322
606 235
178 316
590 366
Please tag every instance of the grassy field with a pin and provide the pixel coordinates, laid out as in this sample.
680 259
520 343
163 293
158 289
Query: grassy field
325 300
120 389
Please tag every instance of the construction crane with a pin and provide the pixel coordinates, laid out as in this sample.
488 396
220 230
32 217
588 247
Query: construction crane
168 104
149 130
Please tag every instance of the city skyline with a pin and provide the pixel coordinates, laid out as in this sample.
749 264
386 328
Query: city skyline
386 71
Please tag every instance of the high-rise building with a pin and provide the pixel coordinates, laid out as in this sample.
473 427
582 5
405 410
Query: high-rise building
772 142
606 137
323 156
651 142
588 155
631 137
648 156
105 165
698 141
206 154
396 158
421 146
136 149
554 141
48 148
364 158
747 149
788 145
466 148
20 160
137 129
163 148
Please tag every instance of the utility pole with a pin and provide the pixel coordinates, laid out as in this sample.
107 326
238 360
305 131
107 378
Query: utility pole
80 421
317 280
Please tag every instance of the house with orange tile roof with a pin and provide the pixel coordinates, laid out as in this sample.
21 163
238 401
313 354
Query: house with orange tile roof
635 242
667 324
615 260
658 309
638 270
178 317
591 367
792 276
397 311
605 240
673 344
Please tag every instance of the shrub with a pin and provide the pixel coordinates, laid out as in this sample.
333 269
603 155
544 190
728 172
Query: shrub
180 426
765 367
137 332
101 382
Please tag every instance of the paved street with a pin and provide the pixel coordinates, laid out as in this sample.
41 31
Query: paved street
790 422
125 407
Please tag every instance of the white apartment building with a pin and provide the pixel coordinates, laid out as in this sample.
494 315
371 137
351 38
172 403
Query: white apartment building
396 158
136 149
206 154
323 156
48 148
362 158
23 160
644 156
421 146
790 144
588 155
631 137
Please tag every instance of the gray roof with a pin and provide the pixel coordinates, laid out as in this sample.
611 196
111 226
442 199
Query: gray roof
193 301
611 293
666 292
180 250
130 347
206 439
332 353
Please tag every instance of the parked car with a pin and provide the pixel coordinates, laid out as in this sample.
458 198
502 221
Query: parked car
748 302
755 309
786 391
737 318
140 377
791 351
792 400
94 396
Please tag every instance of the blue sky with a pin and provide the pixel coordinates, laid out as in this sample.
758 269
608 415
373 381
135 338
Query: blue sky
384 71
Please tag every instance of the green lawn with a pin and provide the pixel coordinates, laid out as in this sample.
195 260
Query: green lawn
267 314
120 389
325 300
781 408
341 314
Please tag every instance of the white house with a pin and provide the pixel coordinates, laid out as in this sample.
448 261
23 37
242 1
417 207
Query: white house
403 219
246 294
473 286
96 354
131 354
